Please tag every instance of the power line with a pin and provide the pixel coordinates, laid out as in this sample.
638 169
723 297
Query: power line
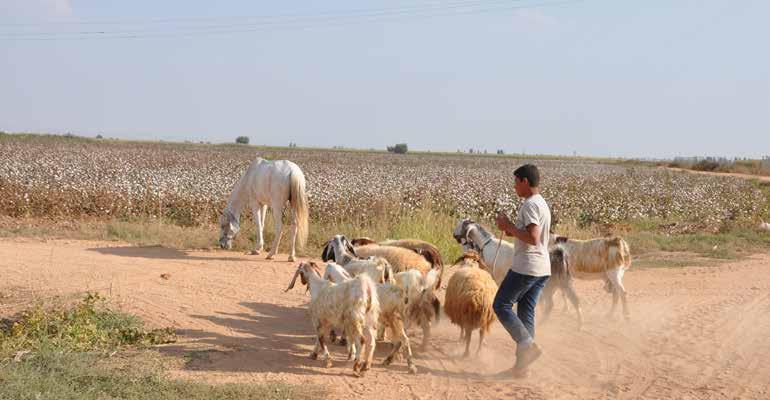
193 19
295 22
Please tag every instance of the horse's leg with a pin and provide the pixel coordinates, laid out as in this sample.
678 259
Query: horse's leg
259 219
293 230
277 213
264 213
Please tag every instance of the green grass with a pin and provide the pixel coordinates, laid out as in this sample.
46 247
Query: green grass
87 351
644 236
88 326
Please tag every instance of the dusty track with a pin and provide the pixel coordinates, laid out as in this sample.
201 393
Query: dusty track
699 333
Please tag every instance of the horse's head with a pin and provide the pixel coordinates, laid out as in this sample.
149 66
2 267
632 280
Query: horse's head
228 228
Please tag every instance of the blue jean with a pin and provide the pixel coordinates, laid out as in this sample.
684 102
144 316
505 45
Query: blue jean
524 290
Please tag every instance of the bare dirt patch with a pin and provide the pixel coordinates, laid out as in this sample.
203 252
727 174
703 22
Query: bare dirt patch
696 332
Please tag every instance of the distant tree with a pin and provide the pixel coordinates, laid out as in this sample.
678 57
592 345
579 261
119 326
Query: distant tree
400 148
242 140
99 137
500 151
470 150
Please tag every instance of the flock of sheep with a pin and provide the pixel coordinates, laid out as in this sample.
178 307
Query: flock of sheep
368 289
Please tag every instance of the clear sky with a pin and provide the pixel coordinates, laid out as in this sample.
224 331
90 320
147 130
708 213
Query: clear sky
655 78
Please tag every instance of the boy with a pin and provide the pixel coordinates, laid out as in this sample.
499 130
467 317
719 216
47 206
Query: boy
530 270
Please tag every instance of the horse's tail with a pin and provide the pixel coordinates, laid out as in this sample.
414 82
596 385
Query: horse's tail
298 200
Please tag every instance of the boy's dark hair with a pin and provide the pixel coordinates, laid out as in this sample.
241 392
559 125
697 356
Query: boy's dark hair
530 172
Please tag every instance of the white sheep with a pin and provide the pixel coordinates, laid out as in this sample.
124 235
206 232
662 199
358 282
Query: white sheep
393 302
352 304
469 297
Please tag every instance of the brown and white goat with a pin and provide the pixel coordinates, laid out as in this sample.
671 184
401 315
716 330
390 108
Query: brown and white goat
604 258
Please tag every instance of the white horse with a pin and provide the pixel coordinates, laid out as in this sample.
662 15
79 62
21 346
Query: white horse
267 183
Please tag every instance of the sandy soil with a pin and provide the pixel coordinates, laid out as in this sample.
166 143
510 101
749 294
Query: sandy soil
761 178
695 332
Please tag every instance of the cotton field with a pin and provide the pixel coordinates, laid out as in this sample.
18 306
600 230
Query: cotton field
189 184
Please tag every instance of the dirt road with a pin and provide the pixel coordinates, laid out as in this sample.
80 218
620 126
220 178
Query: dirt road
695 333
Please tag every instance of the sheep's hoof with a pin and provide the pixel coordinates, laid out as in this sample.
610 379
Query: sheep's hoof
343 342
328 363
388 361
412 369
366 367
350 356
291 259
313 356
255 252
270 257
356 367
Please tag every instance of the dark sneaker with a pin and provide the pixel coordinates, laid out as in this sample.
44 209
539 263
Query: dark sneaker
527 356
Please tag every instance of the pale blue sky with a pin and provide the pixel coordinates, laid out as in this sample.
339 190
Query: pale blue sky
648 78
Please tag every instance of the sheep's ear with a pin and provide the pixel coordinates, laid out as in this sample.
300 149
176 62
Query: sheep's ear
350 249
294 279
328 253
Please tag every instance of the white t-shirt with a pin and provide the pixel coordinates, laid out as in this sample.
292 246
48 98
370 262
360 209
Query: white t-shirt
528 259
